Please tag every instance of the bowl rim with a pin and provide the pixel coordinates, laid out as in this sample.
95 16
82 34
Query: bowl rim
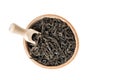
71 27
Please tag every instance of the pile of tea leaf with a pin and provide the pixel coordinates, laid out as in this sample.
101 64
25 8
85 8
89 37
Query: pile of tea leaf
56 43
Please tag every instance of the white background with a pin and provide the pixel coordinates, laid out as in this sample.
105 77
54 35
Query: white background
97 23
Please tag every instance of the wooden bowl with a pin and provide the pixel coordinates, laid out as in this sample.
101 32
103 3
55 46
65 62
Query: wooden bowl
71 27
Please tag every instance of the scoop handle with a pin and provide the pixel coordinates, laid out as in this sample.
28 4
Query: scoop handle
16 29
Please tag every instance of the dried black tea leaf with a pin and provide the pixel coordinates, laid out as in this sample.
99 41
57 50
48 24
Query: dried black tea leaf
56 43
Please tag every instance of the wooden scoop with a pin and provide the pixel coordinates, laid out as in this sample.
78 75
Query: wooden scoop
26 33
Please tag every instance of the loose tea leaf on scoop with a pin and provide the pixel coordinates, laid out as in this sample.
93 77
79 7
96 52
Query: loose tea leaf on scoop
56 43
